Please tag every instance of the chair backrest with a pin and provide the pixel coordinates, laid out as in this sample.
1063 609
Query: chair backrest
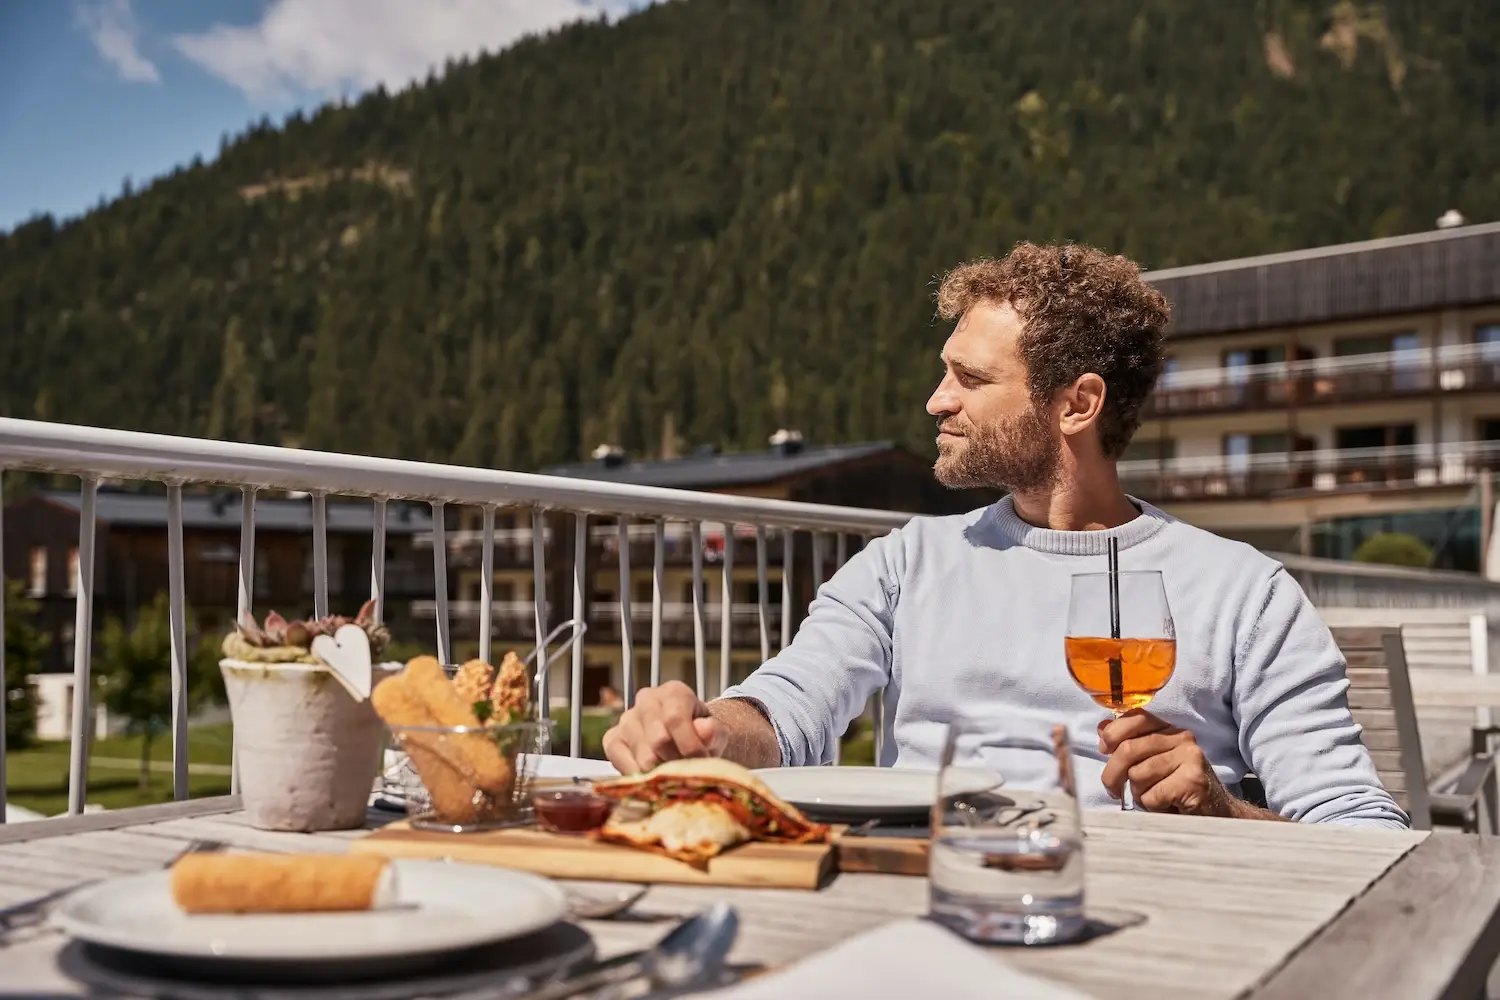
1433 638
1380 700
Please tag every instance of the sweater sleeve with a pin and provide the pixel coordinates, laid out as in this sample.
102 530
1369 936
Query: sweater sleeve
841 655
1292 707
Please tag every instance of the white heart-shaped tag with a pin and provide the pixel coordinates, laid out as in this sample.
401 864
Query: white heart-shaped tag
347 654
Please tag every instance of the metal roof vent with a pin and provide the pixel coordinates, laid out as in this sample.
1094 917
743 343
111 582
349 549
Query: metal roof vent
609 455
787 442
1451 219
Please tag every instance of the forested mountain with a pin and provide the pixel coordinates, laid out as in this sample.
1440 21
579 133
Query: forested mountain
719 217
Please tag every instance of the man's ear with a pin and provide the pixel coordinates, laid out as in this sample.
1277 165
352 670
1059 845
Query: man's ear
1082 402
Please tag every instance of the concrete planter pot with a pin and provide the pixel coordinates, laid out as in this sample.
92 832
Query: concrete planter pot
307 751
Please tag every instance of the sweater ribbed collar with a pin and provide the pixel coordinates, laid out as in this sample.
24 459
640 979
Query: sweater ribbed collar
1077 543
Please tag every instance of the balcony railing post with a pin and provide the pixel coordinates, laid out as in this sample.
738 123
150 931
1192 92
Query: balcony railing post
627 623
726 612
320 554
177 627
788 539
763 592
246 603
440 580
377 557
83 636
539 610
487 584
658 582
700 655
4 692
580 573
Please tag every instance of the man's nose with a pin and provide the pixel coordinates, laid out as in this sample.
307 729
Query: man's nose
942 402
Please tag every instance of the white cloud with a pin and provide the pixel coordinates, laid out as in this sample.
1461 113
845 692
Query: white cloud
331 47
111 26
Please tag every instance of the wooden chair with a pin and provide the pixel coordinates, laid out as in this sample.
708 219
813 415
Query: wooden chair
1381 702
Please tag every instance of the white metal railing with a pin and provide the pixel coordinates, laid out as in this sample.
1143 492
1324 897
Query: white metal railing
1419 359
95 454
1445 461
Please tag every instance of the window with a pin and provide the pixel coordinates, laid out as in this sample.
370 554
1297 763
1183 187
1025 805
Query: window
1168 372
1160 450
1237 361
70 586
262 573
1379 436
1405 350
36 581
1489 429
1384 343
1239 447
1487 336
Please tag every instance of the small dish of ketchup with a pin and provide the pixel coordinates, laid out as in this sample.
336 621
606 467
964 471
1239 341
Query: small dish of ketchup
571 810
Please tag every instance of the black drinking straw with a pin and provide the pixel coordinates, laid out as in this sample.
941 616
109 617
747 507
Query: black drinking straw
1116 672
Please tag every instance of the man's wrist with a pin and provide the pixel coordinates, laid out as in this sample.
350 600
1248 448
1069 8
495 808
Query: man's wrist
752 734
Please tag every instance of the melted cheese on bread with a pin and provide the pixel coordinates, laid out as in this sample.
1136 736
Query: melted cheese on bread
690 831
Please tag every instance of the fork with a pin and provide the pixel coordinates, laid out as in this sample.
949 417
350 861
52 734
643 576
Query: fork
31 912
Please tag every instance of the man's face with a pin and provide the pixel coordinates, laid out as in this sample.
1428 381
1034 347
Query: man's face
990 432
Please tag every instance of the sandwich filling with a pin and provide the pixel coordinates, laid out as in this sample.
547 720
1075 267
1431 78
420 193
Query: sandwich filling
693 809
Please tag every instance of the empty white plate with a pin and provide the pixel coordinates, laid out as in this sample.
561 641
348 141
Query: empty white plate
870 792
439 907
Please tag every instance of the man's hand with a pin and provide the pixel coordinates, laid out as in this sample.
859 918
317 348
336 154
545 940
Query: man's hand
666 723
1166 769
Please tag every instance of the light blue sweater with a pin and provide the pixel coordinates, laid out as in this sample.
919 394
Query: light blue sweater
963 616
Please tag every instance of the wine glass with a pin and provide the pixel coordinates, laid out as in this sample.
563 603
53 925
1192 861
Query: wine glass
1121 645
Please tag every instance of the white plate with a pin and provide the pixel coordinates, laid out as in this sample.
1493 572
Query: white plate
870 791
559 766
439 907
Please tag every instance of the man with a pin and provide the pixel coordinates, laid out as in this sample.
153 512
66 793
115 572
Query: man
1054 353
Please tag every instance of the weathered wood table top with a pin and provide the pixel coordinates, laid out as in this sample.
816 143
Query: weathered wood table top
1208 908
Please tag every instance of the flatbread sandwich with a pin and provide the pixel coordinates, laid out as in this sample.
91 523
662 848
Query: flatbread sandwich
694 809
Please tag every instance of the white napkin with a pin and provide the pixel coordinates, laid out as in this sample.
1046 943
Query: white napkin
908 958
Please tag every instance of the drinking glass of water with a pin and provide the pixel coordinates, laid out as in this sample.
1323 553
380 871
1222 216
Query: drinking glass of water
1006 863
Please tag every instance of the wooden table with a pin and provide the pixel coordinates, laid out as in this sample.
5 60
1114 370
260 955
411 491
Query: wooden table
1231 908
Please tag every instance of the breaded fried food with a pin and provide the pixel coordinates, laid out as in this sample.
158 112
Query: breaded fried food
422 695
426 677
473 681
281 883
511 695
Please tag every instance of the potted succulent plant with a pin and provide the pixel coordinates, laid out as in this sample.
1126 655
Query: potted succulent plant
308 744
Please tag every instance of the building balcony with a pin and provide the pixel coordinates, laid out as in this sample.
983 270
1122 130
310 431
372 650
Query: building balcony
1451 370
1242 477
515 621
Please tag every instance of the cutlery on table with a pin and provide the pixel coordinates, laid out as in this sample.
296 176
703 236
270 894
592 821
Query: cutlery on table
34 910
692 952
601 902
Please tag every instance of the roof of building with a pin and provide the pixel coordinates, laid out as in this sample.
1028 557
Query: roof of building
201 510
738 469
1442 269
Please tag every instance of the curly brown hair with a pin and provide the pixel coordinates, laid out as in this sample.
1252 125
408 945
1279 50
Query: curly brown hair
1084 311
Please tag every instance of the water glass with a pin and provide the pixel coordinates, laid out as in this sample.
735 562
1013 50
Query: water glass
1006 863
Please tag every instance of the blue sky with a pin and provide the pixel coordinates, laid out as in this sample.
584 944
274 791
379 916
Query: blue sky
94 91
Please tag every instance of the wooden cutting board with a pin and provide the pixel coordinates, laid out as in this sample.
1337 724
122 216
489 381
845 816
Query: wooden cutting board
788 866
882 855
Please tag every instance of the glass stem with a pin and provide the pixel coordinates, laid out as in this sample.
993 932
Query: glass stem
1125 789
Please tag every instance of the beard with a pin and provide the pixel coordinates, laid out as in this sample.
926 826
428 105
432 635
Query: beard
1020 454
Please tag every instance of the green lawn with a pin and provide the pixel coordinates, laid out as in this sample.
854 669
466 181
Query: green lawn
37 778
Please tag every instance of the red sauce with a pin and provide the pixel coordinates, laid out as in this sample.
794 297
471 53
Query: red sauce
571 810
